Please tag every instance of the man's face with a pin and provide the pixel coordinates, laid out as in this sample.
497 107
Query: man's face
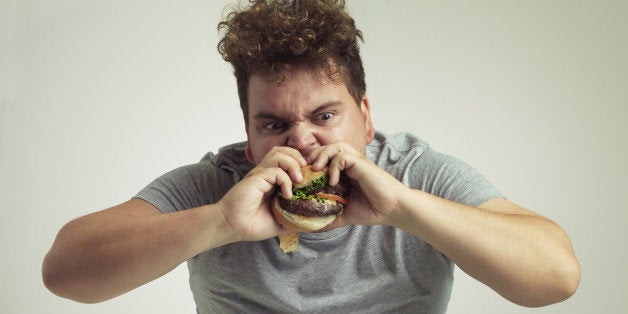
305 112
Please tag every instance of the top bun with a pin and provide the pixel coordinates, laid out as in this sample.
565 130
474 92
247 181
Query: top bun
309 176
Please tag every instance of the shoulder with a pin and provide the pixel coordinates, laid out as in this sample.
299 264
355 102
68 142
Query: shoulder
399 142
230 158
413 162
229 162
199 183
396 150
406 149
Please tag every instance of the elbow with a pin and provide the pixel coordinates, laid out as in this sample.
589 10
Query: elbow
567 281
558 293
559 286
565 278
61 289
53 277
58 281
60 273
561 277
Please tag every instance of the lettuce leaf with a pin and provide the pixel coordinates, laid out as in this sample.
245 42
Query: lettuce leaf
303 193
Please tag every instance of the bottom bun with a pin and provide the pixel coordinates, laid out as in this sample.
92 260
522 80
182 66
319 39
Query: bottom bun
296 222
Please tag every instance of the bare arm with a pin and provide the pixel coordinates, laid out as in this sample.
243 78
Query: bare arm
105 254
526 258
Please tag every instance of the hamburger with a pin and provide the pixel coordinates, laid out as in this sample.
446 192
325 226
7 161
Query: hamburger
313 206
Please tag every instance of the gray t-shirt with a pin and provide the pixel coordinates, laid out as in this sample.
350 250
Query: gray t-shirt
351 269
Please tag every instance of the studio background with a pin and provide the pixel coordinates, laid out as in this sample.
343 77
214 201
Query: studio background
100 97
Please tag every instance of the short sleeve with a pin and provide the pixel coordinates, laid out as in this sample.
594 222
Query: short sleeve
452 179
188 187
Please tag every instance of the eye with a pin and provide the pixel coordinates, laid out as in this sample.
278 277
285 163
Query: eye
325 116
273 127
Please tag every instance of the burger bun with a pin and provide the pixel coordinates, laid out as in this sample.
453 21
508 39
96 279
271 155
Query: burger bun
297 222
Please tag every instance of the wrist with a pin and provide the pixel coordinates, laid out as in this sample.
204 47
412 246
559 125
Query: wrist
404 210
215 228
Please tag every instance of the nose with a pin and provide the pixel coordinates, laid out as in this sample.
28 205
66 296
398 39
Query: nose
302 138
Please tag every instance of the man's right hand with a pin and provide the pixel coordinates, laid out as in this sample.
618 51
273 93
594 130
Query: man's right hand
246 206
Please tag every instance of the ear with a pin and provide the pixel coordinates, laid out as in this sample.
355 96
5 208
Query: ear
247 149
365 109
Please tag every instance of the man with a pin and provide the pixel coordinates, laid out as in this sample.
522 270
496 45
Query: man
412 214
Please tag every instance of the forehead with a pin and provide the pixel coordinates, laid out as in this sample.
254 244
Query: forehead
299 75
299 89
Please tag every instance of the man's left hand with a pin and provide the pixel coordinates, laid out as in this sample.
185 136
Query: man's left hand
374 196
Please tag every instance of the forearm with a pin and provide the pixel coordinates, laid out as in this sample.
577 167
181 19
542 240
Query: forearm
526 258
103 255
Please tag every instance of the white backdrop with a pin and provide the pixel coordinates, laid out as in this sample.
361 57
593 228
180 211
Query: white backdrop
100 97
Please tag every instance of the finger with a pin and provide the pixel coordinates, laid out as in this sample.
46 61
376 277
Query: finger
343 161
292 167
274 177
285 184
288 151
322 155
338 164
286 158
313 156
325 154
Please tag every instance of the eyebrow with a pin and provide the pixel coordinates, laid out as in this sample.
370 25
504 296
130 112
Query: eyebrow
273 116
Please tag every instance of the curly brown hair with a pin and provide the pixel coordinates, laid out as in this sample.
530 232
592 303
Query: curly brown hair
270 38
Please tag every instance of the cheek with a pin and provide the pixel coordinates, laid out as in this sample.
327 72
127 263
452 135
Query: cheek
258 151
332 136
355 132
261 146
